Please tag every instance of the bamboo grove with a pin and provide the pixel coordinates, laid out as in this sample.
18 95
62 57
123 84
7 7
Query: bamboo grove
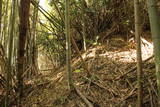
70 28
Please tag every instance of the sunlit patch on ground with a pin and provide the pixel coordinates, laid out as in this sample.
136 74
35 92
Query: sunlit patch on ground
126 55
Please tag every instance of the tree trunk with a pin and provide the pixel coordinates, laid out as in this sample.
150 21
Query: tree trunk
10 50
23 28
34 46
155 30
1 1
5 26
138 47
68 44
83 25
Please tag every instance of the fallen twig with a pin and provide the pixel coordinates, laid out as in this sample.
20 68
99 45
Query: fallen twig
151 97
134 68
130 94
50 69
84 98
101 86
151 84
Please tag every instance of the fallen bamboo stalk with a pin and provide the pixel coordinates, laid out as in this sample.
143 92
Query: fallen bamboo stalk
102 87
47 69
79 53
126 97
134 68
84 98
151 97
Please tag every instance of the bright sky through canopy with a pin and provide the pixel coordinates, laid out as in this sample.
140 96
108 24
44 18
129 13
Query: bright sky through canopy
44 4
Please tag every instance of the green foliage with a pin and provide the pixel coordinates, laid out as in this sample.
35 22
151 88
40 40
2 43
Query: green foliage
93 42
78 70
99 17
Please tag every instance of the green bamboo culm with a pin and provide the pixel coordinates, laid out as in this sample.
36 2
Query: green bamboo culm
68 44
155 30
139 53
10 50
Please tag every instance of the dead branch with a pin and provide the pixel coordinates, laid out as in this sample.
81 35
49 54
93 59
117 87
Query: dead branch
130 94
103 87
84 98
134 68
151 97
79 53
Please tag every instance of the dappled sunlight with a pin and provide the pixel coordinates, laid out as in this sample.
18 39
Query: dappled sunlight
58 77
130 55
107 64
68 53
42 60
126 55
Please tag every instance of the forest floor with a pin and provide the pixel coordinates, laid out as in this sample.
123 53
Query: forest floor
112 82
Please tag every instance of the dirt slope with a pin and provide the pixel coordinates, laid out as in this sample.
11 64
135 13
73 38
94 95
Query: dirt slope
112 83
